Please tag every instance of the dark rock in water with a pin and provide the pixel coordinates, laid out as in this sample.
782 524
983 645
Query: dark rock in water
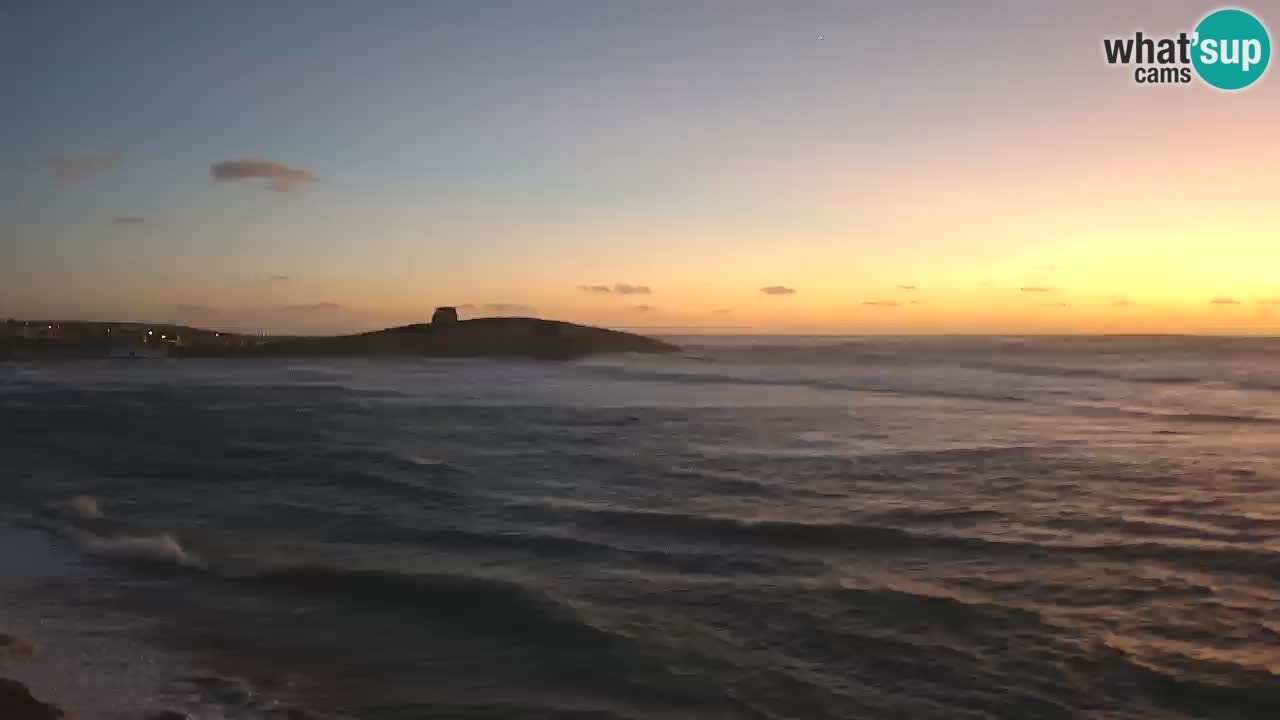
17 703
168 715
13 649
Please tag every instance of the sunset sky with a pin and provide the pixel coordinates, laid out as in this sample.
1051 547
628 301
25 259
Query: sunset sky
876 167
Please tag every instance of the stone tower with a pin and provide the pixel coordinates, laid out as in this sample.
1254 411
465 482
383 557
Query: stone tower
444 316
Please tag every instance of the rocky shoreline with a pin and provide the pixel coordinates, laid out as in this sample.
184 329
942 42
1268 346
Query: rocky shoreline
17 702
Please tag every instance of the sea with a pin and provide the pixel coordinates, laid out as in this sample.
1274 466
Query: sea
758 527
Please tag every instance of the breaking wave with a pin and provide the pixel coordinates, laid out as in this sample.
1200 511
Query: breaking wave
162 549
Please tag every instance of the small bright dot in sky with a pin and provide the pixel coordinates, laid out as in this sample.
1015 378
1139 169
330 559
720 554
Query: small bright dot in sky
820 37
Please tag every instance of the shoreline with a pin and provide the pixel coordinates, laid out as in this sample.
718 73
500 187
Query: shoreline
18 702
61 662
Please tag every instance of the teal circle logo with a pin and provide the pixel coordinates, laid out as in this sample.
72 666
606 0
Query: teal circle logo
1231 49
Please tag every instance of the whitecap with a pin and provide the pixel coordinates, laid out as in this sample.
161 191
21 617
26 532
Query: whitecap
161 549
85 507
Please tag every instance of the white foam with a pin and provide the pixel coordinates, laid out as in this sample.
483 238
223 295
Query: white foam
163 549
85 507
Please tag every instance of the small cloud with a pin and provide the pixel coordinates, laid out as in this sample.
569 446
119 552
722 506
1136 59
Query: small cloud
644 308
1121 303
594 288
129 220
280 177
778 290
1270 301
1224 301
722 311
625 289
278 278
881 303
1055 305
908 288
1036 289
74 169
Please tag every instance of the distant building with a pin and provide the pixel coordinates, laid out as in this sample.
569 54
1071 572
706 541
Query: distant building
444 316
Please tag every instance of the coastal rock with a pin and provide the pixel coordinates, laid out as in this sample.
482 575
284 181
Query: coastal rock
17 703
14 649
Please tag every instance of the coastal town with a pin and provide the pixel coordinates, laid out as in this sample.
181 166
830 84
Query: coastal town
20 338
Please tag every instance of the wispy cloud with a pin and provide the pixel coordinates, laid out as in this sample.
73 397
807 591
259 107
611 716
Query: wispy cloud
1036 289
908 288
1056 305
280 177
778 290
722 311
1224 301
594 288
278 278
881 303
644 308
628 289
129 220
1121 303
73 169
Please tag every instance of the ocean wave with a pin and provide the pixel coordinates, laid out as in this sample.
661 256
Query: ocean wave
1172 415
1195 679
162 549
906 602
517 611
106 537
496 709
774 532
697 377
836 536
1060 371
